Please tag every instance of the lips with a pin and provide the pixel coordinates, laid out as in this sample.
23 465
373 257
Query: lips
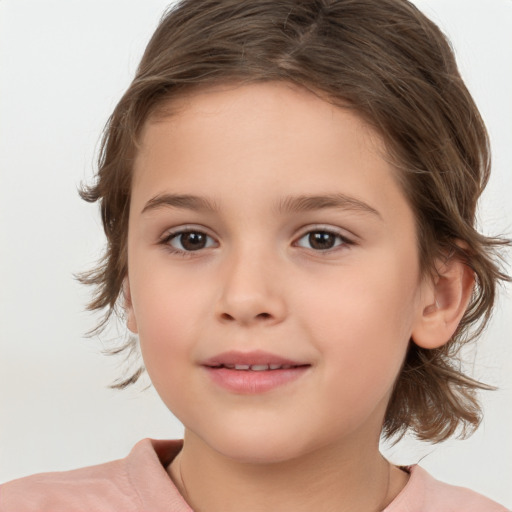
253 372
251 360
255 367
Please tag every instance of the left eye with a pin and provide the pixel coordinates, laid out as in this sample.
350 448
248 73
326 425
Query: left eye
321 240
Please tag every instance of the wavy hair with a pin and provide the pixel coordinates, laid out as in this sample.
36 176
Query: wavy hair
396 69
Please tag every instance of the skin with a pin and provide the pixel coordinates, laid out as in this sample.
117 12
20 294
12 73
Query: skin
260 284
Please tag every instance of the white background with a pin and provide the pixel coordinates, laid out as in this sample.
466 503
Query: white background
63 66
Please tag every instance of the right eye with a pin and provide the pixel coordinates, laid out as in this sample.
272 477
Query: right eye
188 241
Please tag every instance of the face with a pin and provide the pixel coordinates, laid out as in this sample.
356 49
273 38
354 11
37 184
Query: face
273 272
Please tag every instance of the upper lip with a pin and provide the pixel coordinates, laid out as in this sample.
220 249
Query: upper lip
257 357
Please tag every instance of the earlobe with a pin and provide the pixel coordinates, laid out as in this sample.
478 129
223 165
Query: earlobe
449 296
131 321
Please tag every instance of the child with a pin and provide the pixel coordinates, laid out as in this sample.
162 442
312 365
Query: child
288 191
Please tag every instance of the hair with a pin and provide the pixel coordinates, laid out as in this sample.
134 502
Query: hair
397 70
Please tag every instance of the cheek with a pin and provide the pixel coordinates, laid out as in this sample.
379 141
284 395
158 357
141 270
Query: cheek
375 299
362 326
166 312
165 298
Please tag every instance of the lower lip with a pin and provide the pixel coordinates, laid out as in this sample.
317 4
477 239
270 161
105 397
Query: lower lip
253 382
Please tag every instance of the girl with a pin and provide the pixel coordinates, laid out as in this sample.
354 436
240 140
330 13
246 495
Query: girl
288 192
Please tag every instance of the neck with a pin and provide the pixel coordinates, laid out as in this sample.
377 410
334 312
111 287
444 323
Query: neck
342 478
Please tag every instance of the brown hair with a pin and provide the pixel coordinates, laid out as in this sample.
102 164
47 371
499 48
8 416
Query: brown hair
397 70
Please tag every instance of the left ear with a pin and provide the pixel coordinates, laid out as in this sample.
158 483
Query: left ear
446 302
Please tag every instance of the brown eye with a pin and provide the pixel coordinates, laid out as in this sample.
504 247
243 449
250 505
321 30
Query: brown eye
322 240
189 241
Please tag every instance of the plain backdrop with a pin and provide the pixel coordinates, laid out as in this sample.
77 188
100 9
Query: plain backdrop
63 66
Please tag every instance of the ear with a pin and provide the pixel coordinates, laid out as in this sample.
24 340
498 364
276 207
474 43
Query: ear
131 321
448 296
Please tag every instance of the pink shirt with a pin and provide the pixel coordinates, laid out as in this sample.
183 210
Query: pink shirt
140 483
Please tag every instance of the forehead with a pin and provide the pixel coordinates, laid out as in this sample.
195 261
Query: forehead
280 118
253 144
236 99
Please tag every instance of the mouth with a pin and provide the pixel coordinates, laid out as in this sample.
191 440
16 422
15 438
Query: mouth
256 367
253 372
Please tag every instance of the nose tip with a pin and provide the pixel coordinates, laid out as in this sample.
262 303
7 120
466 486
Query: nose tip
250 295
255 310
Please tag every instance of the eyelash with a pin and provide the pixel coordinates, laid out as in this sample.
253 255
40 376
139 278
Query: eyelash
344 241
188 254
175 234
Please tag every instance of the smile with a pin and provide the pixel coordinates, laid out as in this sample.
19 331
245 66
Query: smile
256 367
253 372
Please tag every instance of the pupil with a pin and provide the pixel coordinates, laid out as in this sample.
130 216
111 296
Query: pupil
321 240
192 241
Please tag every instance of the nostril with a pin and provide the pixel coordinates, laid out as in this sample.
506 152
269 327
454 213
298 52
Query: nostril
227 317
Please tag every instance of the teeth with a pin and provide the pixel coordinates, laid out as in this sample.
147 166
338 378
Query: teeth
259 367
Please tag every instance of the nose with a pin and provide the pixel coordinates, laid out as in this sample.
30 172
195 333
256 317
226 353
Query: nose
251 292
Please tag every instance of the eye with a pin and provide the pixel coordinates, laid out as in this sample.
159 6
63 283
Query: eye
188 241
322 240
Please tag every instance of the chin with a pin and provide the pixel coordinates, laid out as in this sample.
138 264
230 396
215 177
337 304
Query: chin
258 446
262 453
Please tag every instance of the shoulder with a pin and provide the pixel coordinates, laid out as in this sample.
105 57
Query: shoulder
423 493
80 489
136 483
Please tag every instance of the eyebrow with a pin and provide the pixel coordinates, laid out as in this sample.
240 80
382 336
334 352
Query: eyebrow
305 203
289 204
184 201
